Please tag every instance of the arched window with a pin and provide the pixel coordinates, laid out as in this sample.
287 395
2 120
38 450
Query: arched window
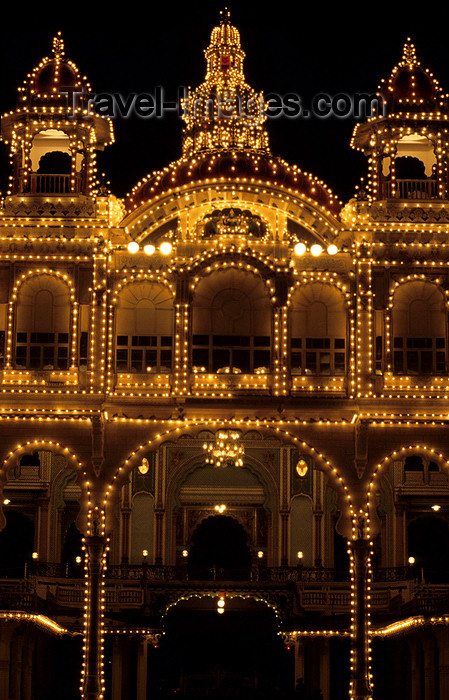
231 324
42 324
144 328
419 329
318 330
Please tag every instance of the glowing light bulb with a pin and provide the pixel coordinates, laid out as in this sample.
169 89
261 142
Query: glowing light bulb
316 249
149 249
332 249
300 249
300 555
166 248
133 247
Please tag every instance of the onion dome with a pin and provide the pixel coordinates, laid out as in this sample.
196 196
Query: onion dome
224 111
238 165
410 87
53 77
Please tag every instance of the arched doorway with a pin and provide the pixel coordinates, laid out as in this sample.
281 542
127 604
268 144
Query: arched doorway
428 543
219 550
238 654
16 544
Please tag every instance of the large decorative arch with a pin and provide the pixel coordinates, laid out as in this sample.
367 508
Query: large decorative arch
232 323
140 279
27 277
319 327
404 326
402 452
135 457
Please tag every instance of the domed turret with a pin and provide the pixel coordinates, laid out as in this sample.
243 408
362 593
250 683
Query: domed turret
54 76
52 133
224 112
410 87
407 141
224 135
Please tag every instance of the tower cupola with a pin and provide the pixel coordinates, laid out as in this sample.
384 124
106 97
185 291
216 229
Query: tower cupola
224 111
407 139
53 132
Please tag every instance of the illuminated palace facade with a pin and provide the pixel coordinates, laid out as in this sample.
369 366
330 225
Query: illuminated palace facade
228 391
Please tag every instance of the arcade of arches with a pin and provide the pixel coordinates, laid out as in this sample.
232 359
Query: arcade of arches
223 466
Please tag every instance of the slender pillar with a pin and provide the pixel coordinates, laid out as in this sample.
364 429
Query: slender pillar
415 653
318 515
360 681
443 659
117 669
126 512
159 513
5 658
429 668
142 660
27 674
299 660
284 537
399 525
92 687
42 544
16 667
325 668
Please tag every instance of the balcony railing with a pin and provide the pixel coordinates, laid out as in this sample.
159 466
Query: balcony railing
60 589
53 184
410 189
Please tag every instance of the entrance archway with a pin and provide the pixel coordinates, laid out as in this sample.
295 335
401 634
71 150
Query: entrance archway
428 542
219 550
238 654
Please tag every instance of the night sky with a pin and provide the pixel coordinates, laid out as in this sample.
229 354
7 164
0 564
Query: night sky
290 47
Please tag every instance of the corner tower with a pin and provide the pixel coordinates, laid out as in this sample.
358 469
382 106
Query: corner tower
407 144
53 136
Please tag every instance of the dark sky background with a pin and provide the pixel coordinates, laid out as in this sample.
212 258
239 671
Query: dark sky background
290 47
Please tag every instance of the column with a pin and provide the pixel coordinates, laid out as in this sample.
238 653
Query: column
92 687
443 657
360 681
126 512
325 668
284 537
42 544
5 654
429 667
16 667
116 680
318 516
399 527
159 514
142 659
27 674
299 659
415 653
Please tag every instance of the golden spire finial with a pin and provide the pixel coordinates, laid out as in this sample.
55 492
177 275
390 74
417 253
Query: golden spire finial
58 46
409 53
225 16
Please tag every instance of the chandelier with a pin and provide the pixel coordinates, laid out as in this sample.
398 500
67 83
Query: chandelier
226 450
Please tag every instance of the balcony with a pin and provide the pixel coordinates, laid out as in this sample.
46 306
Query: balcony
410 189
54 184
57 589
